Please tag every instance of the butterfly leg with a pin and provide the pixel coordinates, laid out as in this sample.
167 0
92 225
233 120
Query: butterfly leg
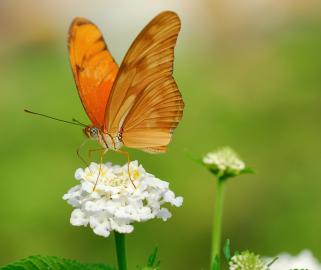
128 162
78 153
90 151
103 151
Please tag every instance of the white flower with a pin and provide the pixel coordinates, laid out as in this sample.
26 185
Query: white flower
224 159
116 202
304 260
247 261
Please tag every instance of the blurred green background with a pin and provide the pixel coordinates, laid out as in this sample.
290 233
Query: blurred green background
250 75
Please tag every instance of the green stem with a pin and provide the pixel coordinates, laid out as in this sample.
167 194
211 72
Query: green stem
217 222
120 250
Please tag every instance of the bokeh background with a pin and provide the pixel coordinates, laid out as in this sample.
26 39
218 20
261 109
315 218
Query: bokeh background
250 75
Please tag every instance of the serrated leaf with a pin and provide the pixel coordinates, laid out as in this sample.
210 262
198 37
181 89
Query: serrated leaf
53 263
227 250
152 258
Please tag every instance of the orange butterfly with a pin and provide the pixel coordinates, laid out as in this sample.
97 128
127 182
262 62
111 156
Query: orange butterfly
137 105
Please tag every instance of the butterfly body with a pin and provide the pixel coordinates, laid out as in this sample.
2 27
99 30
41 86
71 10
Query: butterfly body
105 139
137 104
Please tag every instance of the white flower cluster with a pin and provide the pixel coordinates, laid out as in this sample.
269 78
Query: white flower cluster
225 159
304 260
116 202
247 261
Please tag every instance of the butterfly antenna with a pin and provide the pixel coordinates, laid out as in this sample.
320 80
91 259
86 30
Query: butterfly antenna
77 123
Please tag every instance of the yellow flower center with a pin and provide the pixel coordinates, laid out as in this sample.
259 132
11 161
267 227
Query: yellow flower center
136 174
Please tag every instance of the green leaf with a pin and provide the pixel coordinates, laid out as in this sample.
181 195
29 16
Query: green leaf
248 170
152 264
227 250
53 263
216 263
193 157
152 258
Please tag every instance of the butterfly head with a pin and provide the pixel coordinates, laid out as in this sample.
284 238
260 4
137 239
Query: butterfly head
91 132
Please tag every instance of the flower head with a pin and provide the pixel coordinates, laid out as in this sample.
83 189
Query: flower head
115 202
224 162
304 260
247 261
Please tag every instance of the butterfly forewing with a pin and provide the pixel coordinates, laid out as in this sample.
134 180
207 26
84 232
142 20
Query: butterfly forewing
93 68
145 104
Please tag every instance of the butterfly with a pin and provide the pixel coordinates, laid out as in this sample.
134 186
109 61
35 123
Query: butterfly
136 104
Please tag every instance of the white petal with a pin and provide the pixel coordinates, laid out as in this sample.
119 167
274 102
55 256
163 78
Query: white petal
164 214
102 231
78 218
91 206
79 173
125 229
178 201
169 196
87 186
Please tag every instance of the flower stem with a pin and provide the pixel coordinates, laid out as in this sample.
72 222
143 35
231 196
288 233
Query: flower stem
217 222
120 250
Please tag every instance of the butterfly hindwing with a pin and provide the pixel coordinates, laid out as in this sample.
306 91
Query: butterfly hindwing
145 104
93 67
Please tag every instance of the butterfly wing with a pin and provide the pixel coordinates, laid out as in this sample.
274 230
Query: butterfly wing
93 68
145 104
